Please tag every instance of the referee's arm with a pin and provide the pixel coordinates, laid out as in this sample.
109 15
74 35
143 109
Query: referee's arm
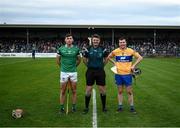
105 56
85 56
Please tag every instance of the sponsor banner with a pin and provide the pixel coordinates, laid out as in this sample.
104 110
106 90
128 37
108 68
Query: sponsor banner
40 55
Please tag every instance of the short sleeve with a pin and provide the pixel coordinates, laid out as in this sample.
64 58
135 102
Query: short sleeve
136 54
58 52
113 53
78 52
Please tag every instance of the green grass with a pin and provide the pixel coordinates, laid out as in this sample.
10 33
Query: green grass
34 86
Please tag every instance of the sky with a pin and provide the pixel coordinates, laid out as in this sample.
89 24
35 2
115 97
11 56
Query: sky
90 12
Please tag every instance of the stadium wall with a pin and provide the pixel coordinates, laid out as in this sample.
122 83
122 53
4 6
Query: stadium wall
27 55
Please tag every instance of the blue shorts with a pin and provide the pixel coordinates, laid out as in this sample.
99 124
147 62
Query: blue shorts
123 80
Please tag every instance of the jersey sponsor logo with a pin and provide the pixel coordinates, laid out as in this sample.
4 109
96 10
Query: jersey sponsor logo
123 58
69 52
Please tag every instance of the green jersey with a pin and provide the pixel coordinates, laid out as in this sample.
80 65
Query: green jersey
68 58
95 56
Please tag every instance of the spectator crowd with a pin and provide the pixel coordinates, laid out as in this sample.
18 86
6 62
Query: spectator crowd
145 47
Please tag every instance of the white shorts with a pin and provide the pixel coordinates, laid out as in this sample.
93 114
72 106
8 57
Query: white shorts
64 76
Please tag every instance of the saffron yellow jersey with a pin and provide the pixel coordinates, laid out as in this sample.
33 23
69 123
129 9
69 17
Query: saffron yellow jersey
123 59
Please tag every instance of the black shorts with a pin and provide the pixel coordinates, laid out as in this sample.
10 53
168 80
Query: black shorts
95 75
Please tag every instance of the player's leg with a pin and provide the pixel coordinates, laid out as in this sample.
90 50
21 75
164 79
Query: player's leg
62 95
128 83
73 86
63 86
89 86
130 98
120 98
130 95
100 81
119 83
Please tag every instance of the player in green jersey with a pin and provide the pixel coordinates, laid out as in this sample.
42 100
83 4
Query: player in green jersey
68 58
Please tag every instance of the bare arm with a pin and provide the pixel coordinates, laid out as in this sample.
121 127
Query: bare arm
78 61
110 56
58 59
138 60
105 61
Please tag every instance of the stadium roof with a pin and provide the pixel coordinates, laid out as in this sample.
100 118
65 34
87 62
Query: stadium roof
88 26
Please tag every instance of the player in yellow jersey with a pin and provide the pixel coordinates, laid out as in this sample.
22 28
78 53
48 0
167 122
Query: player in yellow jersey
123 57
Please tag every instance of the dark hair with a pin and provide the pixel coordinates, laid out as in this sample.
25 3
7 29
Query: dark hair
68 35
96 36
122 38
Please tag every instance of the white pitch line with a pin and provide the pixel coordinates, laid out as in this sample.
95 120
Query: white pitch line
94 118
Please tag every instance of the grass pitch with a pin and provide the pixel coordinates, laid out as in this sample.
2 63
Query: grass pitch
33 85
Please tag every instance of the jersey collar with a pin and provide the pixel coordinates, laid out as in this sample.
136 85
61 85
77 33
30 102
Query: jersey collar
68 47
123 49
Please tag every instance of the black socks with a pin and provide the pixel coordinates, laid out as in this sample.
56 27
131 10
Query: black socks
87 100
103 100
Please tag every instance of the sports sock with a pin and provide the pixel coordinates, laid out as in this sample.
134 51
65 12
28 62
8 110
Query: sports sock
103 100
131 106
87 100
73 106
120 106
62 106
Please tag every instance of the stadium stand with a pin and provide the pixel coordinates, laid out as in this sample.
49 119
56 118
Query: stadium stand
147 40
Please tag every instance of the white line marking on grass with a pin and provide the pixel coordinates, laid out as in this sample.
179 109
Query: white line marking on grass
94 120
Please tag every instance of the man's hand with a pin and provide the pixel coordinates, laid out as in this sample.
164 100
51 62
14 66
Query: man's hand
132 68
136 62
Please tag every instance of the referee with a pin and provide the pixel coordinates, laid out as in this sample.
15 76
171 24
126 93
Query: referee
94 58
